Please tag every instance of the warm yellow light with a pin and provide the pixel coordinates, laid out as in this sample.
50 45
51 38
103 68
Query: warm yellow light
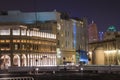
118 51
90 53
2 41
7 41
110 51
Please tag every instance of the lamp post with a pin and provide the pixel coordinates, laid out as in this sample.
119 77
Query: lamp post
64 63
36 69
36 61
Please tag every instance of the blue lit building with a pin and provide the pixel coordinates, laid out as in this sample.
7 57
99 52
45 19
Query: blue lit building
83 57
28 17
80 39
101 35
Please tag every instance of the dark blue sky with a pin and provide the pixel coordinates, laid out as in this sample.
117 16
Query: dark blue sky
103 12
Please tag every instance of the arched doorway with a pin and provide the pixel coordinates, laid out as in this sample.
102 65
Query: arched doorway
5 62
16 60
23 60
99 56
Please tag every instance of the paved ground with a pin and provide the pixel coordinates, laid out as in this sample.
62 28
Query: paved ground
77 76
63 75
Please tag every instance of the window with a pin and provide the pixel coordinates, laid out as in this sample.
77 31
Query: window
66 44
23 47
28 33
2 41
5 32
16 32
7 41
5 46
23 32
23 41
16 47
18 40
58 42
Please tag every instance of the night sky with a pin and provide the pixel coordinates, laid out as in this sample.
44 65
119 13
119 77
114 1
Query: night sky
103 12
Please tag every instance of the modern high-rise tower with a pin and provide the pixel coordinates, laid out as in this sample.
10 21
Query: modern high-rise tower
92 32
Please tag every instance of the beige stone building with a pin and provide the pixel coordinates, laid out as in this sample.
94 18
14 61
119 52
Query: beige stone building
106 52
21 46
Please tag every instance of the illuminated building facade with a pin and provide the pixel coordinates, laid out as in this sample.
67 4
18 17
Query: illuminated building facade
106 52
68 33
21 46
92 32
80 39
65 41
81 35
110 33
72 37
111 29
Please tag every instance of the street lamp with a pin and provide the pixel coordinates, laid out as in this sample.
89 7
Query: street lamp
64 63
36 61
